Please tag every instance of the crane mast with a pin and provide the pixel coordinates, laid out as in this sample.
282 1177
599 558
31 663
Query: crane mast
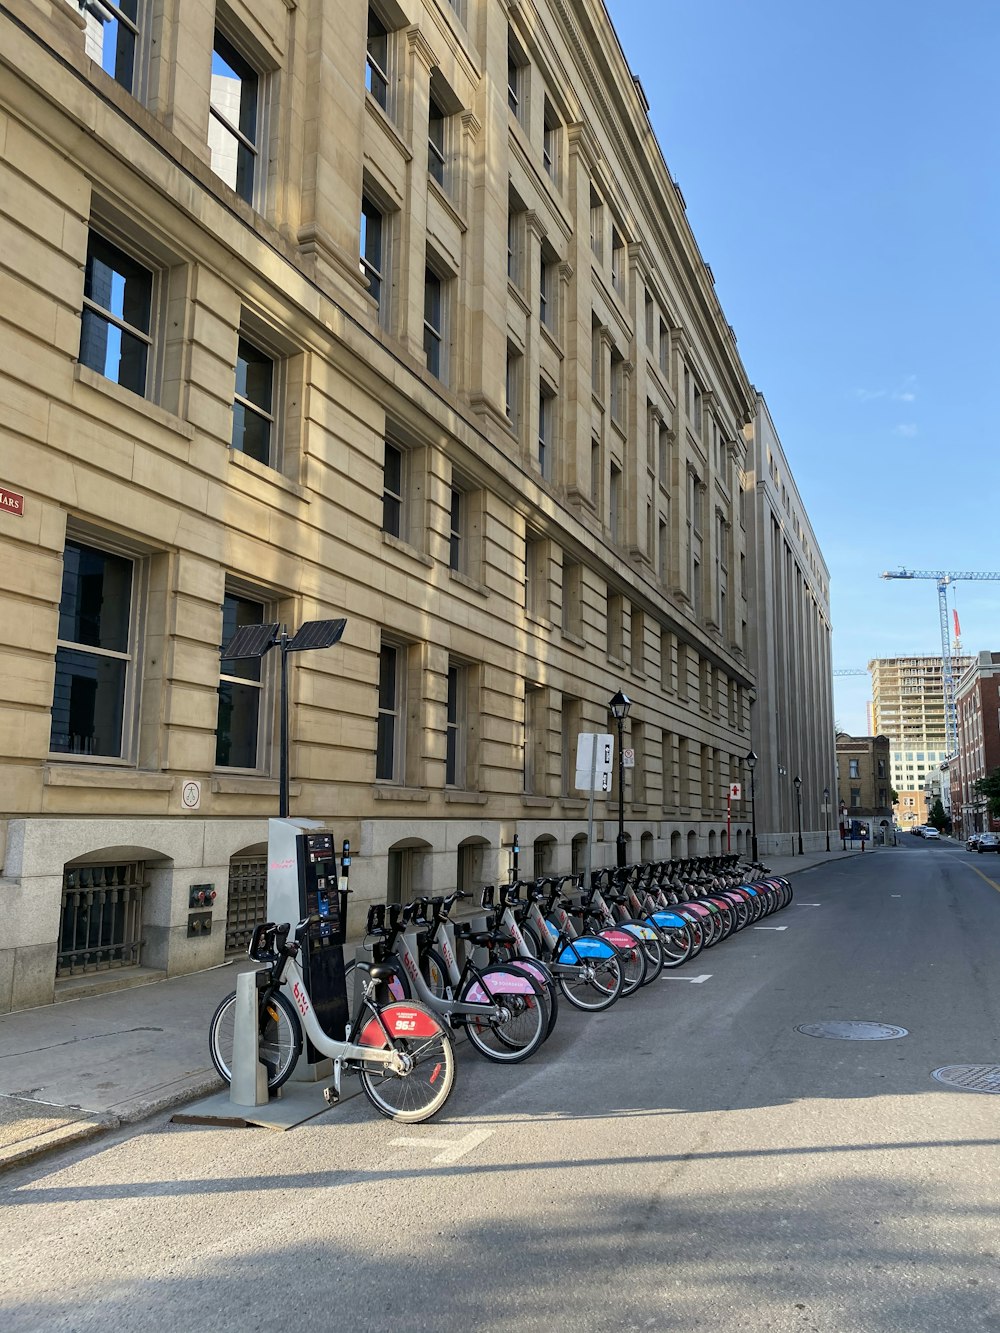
943 578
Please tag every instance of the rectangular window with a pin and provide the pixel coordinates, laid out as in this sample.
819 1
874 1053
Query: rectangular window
550 141
513 387
617 388
649 321
572 597
393 513
596 224
666 661
546 412
662 551
572 725
536 575
373 237
455 727
855 797
389 728
546 292
456 534
377 66
664 346
616 625
637 739
854 769
615 503
239 732
517 77
96 654
638 663
253 403
595 471
234 121
111 39
535 739
117 321
433 322
436 141
617 261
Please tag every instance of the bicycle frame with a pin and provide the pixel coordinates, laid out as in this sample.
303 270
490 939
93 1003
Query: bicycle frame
479 1001
403 1022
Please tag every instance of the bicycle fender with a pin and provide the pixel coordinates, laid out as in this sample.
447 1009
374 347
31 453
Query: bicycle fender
667 919
402 1020
620 938
587 946
500 983
639 932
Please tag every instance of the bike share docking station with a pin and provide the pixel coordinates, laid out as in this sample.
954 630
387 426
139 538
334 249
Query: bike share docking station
304 883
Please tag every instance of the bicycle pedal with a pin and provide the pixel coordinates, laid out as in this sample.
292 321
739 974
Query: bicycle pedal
331 1096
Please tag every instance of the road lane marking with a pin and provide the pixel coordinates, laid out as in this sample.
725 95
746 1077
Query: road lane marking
695 981
770 927
453 1149
991 882
895 895
797 904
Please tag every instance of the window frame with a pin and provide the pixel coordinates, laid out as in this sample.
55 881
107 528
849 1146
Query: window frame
437 143
394 715
377 273
251 192
551 130
132 656
136 26
148 338
273 416
263 682
399 497
456 725
377 80
435 335
546 422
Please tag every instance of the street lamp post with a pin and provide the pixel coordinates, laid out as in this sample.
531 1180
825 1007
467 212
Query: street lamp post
797 782
826 814
751 763
618 707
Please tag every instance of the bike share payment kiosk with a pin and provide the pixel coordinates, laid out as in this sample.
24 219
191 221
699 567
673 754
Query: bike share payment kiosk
303 884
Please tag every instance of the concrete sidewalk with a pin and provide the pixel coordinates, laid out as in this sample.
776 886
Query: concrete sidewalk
73 1069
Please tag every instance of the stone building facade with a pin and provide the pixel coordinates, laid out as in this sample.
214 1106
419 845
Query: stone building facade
386 312
789 639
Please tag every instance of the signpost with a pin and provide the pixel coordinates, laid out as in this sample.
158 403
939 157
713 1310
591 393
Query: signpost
735 794
595 753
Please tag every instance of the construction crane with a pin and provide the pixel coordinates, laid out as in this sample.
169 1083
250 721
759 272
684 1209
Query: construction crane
851 671
944 577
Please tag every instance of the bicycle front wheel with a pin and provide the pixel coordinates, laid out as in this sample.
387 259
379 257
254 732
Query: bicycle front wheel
419 1093
594 984
280 1038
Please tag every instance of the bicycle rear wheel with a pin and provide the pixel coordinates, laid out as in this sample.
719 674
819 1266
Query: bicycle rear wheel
513 1039
280 1038
594 984
423 1090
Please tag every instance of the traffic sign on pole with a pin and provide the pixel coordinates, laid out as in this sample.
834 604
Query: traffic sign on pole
595 752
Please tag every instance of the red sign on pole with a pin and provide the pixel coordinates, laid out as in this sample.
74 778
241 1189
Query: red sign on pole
11 503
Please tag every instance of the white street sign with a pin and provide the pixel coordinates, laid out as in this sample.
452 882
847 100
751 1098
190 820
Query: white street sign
735 791
595 752
628 758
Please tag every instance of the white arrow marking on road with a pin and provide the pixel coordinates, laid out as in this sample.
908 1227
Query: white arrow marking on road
453 1148
771 927
695 981
895 895
808 904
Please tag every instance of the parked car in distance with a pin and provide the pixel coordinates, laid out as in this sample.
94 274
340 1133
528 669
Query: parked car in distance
988 842
930 832
972 841
917 830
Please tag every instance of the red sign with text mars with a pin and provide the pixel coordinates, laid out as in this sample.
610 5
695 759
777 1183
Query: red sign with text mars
11 502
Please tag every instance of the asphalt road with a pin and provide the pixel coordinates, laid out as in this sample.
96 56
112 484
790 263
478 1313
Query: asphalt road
687 1161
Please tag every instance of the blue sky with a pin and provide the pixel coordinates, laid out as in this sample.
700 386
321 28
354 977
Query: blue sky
841 170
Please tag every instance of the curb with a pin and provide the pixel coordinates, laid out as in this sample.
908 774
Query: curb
80 1130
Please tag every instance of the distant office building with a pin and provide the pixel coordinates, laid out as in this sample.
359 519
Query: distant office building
978 700
908 707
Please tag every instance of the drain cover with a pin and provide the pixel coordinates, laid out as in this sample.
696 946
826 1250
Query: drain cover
848 1030
972 1078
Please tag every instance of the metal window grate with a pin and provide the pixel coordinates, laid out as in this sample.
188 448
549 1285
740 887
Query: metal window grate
100 926
247 905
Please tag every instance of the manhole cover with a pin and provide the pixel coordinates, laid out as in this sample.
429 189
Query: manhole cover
971 1078
848 1030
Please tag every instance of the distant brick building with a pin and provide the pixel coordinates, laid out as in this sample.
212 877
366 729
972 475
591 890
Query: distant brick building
978 706
863 784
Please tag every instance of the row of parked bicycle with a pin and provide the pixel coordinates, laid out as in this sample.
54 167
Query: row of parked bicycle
499 976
